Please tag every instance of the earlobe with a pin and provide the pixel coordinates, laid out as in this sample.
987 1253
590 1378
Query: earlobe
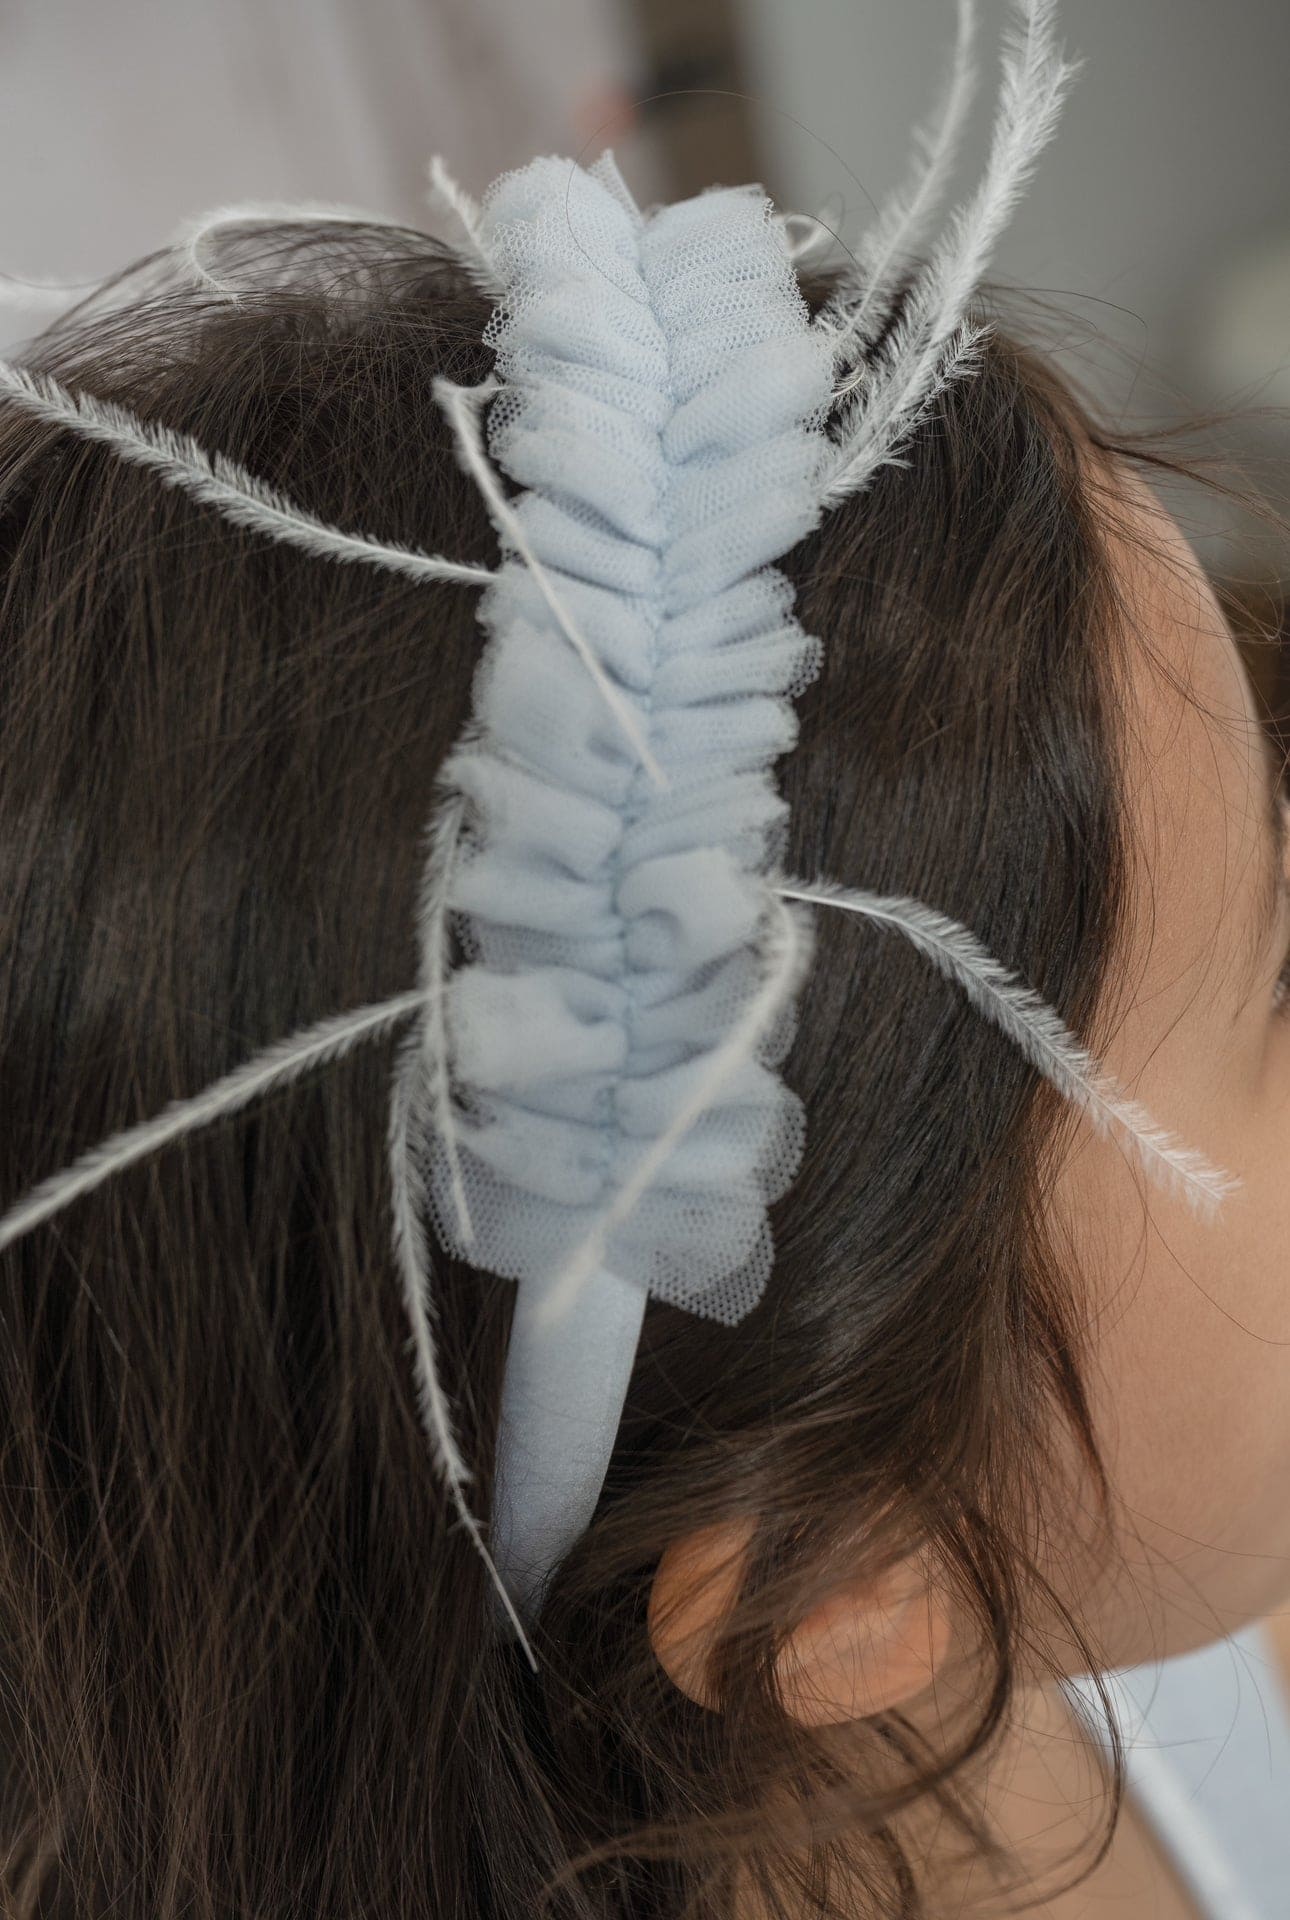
867 1649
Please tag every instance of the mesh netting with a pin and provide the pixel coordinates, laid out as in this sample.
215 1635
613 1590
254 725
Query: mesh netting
661 403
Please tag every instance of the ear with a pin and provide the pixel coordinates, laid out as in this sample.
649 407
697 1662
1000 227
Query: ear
868 1648
694 1588
871 1646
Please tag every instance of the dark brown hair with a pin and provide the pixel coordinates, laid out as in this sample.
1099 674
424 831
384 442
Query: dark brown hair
246 1657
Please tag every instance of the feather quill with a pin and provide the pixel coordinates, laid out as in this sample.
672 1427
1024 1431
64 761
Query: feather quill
412 1257
219 482
276 1065
1037 1029
424 1054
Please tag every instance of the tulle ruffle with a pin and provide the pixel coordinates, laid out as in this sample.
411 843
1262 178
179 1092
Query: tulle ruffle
660 407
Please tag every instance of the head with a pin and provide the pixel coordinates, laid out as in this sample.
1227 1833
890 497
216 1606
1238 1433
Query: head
996 1390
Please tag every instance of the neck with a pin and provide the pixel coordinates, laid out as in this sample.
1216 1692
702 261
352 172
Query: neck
1045 1792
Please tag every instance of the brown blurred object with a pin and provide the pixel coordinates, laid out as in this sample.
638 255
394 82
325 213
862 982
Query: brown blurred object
604 114
693 97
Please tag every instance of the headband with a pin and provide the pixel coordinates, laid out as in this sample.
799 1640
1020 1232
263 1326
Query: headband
590 1103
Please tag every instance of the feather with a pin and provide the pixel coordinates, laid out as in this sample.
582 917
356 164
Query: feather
474 255
191 235
910 367
412 1259
903 220
960 357
432 940
461 404
217 481
1037 1029
785 955
428 1047
276 1065
283 1061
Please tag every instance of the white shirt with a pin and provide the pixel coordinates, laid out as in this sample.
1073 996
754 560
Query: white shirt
1207 1739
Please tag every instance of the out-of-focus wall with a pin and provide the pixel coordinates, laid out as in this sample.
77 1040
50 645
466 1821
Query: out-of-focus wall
118 118
1174 145
1168 178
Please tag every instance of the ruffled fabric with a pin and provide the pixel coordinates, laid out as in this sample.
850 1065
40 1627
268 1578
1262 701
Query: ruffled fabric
662 408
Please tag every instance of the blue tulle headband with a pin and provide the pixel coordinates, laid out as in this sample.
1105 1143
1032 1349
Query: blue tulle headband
590 1104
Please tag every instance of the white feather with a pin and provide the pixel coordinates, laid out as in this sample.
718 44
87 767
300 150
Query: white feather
218 482
432 941
1038 1030
960 357
474 255
454 196
412 1259
785 957
425 1054
861 304
277 1064
462 404
909 368
411 1253
190 237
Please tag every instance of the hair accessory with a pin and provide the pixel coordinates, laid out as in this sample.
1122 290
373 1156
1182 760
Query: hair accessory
619 1127
590 1103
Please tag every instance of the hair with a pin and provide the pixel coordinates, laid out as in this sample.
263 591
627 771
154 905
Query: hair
247 1659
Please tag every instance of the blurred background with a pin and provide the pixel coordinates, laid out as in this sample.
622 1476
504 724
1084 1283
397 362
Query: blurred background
1157 230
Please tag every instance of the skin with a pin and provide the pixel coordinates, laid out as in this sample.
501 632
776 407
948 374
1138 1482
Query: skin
1188 1319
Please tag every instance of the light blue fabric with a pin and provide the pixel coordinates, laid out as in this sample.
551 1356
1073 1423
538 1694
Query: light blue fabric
659 376
662 404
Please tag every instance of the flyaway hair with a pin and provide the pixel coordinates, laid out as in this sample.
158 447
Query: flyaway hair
589 1102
